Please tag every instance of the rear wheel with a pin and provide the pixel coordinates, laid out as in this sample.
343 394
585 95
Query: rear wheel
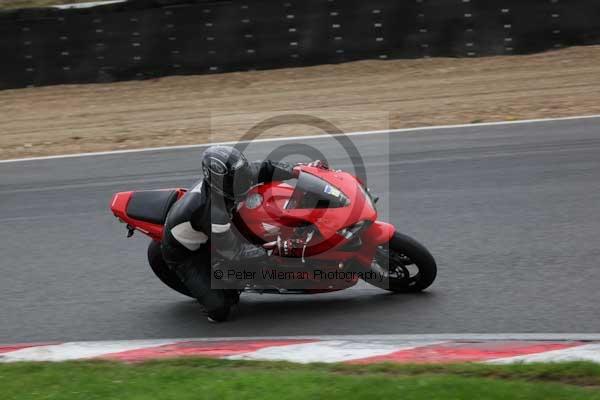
406 263
162 270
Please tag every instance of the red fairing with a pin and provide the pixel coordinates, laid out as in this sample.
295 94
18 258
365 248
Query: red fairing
379 233
260 221
270 219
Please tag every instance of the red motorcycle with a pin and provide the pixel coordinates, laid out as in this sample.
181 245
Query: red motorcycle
322 229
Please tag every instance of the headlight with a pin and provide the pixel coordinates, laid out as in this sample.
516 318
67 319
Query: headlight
352 230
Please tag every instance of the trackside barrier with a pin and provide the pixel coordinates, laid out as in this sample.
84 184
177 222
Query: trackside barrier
142 39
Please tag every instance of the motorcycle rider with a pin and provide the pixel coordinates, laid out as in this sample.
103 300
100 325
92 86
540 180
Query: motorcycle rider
202 217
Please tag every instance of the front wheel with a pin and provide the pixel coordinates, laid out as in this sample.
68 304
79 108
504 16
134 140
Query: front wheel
406 263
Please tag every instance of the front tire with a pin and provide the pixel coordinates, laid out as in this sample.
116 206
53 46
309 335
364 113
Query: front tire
162 270
409 266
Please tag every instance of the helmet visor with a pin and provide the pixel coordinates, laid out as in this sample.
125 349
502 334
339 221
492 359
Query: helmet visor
243 181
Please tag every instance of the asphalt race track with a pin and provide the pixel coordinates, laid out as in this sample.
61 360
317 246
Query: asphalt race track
511 213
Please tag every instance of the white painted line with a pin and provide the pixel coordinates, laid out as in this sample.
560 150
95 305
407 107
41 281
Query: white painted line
87 5
308 137
329 351
78 350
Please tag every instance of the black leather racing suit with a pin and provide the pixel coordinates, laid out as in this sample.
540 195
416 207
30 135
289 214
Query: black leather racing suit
201 219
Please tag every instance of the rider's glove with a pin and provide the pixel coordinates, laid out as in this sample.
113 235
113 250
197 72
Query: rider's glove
315 164
289 247
319 164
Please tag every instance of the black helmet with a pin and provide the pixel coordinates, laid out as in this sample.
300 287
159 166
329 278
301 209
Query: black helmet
227 172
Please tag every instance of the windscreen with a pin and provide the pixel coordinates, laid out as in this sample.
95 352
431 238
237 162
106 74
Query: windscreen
313 192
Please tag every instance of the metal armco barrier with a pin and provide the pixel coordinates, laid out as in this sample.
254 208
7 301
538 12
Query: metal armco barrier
150 38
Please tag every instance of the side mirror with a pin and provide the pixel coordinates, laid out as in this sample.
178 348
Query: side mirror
375 198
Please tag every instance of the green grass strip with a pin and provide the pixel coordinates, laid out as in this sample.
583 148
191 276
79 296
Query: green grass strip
220 379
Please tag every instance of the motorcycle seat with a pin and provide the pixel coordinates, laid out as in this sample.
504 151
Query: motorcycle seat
151 205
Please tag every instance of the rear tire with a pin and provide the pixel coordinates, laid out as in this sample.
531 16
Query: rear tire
162 270
411 266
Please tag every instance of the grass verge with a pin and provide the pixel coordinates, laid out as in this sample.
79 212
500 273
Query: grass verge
220 379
